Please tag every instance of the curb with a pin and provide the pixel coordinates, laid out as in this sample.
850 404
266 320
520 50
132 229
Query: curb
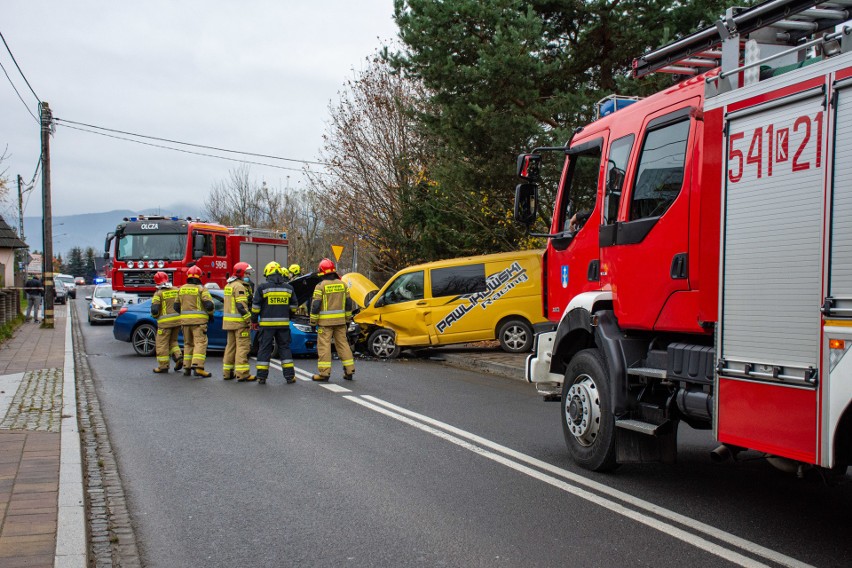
71 518
474 364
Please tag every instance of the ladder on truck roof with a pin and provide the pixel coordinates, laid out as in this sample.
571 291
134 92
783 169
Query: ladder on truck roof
246 231
780 22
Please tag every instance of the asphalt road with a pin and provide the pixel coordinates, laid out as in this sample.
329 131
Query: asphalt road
417 463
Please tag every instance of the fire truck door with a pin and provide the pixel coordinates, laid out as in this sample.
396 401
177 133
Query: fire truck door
573 259
771 281
837 334
650 245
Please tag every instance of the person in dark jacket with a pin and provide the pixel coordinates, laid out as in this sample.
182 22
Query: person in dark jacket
35 293
273 302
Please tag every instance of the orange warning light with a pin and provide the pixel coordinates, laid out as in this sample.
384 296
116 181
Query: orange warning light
836 344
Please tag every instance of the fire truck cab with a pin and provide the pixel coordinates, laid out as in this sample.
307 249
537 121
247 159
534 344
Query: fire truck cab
144 245
699 266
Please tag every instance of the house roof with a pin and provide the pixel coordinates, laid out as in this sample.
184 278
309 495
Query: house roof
9 238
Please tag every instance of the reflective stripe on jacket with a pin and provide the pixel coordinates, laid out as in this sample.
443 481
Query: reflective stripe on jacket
273 301
163 308
196 304
331 304
237 315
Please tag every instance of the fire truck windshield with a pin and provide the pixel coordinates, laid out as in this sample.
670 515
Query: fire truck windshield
154 246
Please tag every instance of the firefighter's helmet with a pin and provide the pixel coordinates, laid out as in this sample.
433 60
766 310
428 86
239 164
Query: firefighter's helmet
194 272
326 266
284 272
161 278
241 269
271 268
295 270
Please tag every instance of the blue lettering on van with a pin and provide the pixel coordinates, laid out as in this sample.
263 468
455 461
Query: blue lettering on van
496 286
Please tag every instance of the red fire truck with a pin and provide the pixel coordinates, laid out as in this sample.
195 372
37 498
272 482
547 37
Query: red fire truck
699 261
144 245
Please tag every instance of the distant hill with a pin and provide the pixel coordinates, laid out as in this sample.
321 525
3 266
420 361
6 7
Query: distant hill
90 229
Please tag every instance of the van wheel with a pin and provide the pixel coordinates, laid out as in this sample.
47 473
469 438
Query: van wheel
516 336
382 344
587 420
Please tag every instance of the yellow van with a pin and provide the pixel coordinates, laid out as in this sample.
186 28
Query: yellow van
495 296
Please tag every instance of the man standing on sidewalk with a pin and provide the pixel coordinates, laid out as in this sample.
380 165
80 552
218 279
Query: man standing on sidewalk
331 312
195 305
35 293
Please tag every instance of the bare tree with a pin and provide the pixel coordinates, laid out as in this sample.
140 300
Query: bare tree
377 160
236 200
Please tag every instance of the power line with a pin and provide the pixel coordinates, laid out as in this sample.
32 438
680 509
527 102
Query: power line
12 55
183 151
190 143
16 92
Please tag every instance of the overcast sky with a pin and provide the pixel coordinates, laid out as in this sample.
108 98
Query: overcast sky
252 75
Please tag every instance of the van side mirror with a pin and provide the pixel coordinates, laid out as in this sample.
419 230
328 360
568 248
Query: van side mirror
526 203
529 167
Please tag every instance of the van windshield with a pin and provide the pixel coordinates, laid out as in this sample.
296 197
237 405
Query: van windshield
405 288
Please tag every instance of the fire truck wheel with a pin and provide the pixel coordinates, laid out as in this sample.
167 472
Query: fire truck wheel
516 336
587 420
144 340
382 344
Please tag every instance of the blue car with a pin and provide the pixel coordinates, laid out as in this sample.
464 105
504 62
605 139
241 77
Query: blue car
135 325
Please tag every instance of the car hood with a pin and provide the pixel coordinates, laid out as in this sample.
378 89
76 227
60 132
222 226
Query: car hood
102 302
304 286
361 288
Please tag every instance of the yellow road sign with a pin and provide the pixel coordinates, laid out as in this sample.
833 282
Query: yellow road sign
337 250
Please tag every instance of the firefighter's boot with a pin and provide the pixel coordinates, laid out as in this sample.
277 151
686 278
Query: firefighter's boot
319 378
200 372
187 371
349 376
291 380
159 370
178 359
228 376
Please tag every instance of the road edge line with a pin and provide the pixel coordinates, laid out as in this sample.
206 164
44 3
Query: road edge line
71 546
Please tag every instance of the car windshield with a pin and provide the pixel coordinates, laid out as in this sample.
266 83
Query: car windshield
155 246
103 292
64 279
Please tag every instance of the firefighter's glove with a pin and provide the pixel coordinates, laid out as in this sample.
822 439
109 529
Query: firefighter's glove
255 326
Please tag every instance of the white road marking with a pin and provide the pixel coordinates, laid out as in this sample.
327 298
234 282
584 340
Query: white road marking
403 415
334 388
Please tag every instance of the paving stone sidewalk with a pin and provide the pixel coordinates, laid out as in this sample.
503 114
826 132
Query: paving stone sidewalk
31 363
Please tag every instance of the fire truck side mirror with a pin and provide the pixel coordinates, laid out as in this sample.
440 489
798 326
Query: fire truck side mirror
526 203
529 167
107 242
197 245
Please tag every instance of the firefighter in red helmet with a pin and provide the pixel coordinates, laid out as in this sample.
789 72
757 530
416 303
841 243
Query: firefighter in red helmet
195 305
237 322
331 312
168 323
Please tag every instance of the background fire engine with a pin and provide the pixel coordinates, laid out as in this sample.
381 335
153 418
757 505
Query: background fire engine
142 246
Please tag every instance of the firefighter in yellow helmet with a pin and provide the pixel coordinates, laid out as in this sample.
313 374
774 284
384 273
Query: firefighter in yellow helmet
273 302
236 321
295 270
331 312
195 305
168 323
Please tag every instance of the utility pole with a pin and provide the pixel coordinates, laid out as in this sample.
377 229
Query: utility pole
20 208
47 216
